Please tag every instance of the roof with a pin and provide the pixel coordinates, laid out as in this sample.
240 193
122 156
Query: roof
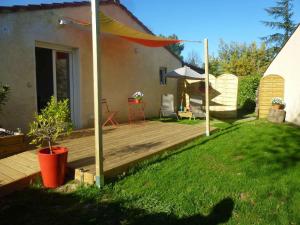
196 68
30 7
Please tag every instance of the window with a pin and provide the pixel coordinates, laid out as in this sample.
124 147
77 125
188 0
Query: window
162 79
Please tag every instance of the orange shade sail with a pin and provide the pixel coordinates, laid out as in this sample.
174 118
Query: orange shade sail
114 27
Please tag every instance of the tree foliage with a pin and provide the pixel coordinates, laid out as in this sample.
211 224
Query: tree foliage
283 15
4 91
247 92
52 122
193 58
240 59
175 48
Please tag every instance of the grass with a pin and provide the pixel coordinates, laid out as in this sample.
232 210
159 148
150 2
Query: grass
246 173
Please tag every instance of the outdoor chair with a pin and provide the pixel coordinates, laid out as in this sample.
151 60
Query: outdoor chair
167 106
196 107
108 115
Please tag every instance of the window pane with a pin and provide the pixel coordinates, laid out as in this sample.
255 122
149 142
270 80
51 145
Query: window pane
44 76
162 79
62 75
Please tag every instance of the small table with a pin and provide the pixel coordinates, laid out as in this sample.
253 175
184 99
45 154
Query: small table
187 114
136 111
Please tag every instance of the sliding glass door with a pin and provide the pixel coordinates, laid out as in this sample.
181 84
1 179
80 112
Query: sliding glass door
53 76
61 77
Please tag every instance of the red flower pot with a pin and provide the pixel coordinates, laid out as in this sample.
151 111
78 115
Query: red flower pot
53 166
277 106
134 100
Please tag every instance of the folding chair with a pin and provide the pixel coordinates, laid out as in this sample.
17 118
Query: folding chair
196 107
110 115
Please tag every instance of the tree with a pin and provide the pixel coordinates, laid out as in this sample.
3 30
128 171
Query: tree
214 65
53 121
240 59
193 58
283 14
175 48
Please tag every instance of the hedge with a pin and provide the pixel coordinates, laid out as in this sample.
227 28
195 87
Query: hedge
247 92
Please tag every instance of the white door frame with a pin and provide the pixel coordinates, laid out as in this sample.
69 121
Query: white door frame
74 77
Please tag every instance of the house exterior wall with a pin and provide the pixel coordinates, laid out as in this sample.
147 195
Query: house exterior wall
287 65
126 67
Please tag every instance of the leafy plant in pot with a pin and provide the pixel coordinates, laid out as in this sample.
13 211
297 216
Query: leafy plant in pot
53 121
277 103
137 97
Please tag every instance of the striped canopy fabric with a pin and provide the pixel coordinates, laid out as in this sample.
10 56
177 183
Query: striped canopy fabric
111 26
114 27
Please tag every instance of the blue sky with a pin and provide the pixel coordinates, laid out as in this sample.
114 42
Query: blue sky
230 20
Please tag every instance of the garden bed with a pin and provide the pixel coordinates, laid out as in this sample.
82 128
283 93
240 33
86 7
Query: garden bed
10 143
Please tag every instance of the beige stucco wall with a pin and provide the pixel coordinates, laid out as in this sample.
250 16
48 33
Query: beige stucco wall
126 67
287 65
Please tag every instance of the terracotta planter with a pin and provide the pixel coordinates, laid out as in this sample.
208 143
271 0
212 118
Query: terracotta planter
53 166
277 106
134 101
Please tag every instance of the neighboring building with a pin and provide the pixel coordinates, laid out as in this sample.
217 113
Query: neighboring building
285 80
39 58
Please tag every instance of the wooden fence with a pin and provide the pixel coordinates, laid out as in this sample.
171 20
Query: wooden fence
271 86
223 94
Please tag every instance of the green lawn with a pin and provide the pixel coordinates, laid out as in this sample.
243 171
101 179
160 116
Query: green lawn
246 173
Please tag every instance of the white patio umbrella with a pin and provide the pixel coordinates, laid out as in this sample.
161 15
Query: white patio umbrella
185 72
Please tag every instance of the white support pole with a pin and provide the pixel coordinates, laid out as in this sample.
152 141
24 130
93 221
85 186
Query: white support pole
206 87
97 93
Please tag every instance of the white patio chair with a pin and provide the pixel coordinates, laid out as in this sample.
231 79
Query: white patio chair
167 106
196 106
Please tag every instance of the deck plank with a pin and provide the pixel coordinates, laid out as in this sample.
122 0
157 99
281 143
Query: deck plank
124 146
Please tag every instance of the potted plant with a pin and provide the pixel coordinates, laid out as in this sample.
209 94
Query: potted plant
137 97
53 121
277 103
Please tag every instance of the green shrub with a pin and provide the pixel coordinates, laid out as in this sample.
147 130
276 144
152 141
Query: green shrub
4 90
247 92
52 122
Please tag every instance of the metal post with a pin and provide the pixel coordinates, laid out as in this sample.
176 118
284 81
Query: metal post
206 87
97 92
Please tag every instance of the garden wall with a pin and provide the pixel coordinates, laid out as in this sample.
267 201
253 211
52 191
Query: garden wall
223 93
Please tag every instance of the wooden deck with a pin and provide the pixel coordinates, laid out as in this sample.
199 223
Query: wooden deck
123 147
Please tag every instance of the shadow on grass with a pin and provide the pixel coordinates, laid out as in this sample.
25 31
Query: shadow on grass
276 145
89 206
196 143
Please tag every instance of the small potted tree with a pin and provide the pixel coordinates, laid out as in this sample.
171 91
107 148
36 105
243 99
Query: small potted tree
53 121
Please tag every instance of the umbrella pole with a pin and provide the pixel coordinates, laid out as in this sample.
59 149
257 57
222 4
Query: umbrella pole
97 93
206 87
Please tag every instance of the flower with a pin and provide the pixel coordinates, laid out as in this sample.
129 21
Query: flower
277 101
138 95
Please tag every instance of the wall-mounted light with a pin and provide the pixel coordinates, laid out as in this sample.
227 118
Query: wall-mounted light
63 22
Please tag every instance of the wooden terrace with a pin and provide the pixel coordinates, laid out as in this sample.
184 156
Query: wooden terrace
124 147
